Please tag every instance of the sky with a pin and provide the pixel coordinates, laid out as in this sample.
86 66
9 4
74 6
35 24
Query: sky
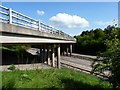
70 17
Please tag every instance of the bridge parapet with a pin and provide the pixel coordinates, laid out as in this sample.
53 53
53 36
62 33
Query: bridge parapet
12 17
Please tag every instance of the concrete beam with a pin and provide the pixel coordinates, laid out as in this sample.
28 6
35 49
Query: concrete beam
7 38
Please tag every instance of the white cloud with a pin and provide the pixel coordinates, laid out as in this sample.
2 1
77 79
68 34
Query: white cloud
40 12
102 23
68 21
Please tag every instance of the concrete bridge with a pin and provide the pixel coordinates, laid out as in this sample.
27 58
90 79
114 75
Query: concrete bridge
18 29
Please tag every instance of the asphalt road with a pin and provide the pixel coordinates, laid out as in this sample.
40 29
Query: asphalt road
76 62
84 62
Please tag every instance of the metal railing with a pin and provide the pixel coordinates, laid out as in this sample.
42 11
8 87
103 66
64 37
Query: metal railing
10 16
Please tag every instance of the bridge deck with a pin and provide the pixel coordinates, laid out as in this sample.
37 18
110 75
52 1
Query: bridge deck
17 34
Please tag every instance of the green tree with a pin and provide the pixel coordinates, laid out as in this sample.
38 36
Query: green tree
93 41
98 33
109 61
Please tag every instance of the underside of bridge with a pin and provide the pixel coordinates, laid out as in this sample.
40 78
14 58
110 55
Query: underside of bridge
48 53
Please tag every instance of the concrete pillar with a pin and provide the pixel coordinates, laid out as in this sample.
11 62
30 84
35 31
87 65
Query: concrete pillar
48 56
70 49
53 55
67 50
63 52
58 56
41 54
62 49
44 54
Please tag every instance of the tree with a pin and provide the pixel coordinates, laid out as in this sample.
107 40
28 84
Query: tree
93 41
98 33
109 61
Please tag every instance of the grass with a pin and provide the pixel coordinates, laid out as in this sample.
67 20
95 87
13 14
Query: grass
51 78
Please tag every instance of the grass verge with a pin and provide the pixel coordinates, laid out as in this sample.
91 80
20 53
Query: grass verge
51 78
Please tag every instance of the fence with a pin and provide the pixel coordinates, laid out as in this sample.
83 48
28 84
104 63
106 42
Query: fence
10 16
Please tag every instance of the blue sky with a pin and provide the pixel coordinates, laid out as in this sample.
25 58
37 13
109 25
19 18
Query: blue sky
70 17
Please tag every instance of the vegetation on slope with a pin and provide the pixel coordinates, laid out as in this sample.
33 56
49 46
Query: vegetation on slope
51 78
109 61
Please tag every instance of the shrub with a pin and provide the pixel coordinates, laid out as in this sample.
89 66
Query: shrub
109 61
12 67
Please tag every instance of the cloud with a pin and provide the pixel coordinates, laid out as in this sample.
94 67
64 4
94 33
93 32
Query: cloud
102 23
68 21
40 12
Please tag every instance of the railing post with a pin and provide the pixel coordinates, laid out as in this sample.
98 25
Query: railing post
63 34
39 25
58 32
51 29
10 16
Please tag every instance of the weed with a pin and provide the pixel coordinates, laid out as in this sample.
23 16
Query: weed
12 67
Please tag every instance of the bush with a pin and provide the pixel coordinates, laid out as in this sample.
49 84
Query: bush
12 67
109 61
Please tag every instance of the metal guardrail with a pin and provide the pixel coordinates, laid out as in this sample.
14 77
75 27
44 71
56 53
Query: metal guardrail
10 16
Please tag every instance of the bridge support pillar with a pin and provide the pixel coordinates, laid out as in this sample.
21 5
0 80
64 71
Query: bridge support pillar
53 55
64 53
70 49
41 53
45 53
63 49
67 50
48 56
58 56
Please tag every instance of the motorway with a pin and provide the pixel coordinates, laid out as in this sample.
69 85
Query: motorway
76 64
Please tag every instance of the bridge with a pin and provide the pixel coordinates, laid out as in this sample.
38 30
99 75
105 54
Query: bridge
19 29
